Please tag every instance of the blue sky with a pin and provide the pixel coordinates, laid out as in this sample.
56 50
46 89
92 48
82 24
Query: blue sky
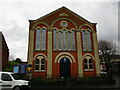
14 16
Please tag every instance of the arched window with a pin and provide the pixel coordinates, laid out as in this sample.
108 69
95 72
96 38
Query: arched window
37 39
40 64
88 64
54 39
86 40
64 40
73 40
69 41
89 40
43 39
40 39
37 64
85 64
60 40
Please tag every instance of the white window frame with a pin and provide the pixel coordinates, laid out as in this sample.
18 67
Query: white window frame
55 39
69 48
64 39
37 64
60 40
88 64
40 64
73 40
85 41
42 44
37 42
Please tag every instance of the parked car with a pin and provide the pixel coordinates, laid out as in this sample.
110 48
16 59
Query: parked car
8 80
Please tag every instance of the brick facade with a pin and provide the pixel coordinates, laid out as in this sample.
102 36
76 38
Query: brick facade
53 58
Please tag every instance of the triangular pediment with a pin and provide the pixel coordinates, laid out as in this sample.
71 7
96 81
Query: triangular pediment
62 12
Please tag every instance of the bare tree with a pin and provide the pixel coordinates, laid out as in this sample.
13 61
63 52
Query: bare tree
107 51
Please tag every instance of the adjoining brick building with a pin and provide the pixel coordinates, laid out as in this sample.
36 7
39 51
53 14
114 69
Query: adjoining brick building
63 44
4 52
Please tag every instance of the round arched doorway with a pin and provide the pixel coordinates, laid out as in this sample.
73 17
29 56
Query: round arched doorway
65 68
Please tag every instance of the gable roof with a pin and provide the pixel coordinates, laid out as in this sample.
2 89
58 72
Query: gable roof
62 8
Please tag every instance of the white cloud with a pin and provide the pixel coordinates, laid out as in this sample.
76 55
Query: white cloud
59 1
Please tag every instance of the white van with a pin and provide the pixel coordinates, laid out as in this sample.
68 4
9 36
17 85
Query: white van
9 81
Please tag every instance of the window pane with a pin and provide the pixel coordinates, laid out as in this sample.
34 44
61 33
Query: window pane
90 60
59 40
90 66
42 67
64 40
36 67
54 41
69 41
73 40
43 39
85 60
38 39
37 61
84 41
89 41
42 61
64 23
85 66
6 77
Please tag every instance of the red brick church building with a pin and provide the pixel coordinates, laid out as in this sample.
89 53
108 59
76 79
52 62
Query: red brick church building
62 44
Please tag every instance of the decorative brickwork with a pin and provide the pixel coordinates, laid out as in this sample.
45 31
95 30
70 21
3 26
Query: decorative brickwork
70 40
